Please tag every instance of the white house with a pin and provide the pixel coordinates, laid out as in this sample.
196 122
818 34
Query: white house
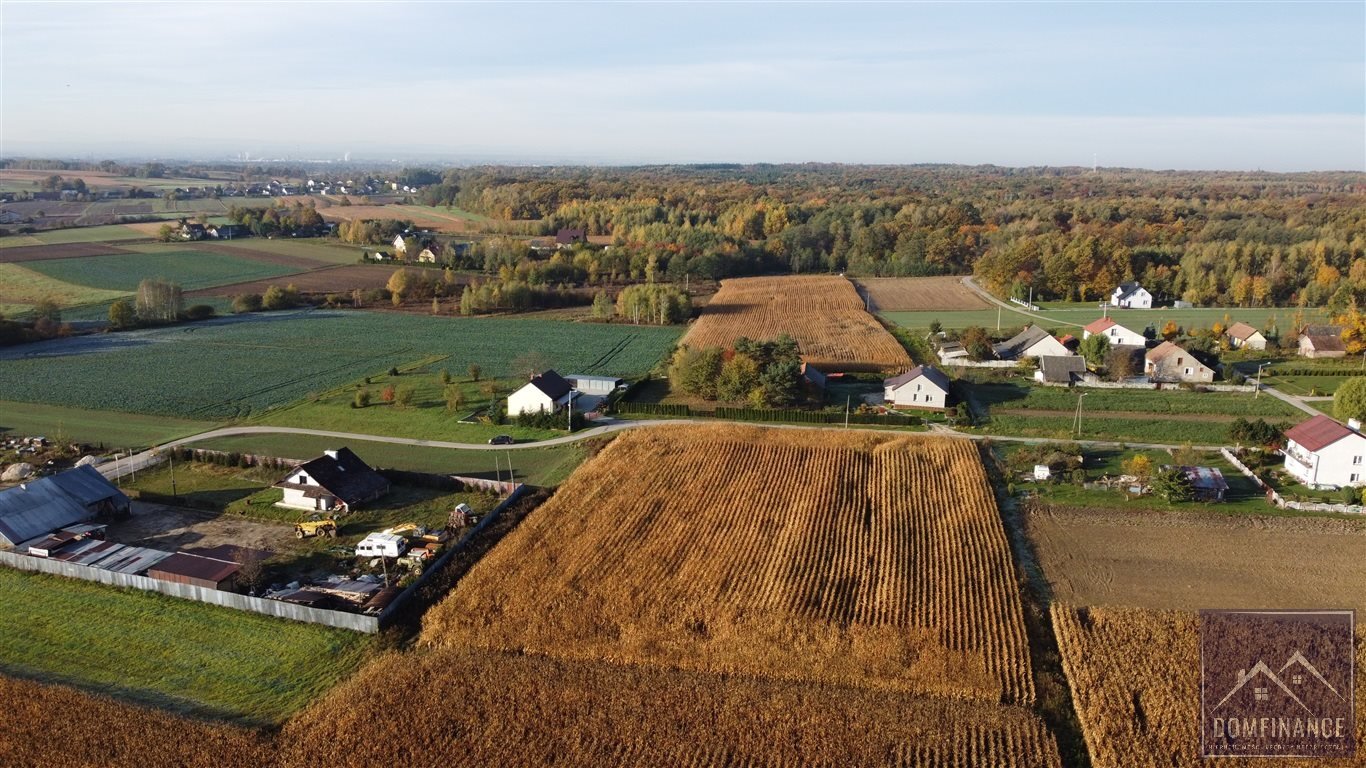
1242 335
921 387
1323 453
1169 363
399 245
1131 296
546 392
1033 341
428 256
335 481
1118 335
1322 341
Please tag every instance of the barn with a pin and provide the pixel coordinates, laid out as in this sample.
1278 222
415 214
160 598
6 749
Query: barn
207 572
39 507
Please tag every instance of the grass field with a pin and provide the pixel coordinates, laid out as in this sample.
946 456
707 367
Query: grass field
329 251
1316 385
986 318
110 233
1168 401
189 268
22 286
538 466
239 366
108 428
186 656
699 548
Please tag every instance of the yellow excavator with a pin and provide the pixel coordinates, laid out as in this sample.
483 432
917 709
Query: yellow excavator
309 528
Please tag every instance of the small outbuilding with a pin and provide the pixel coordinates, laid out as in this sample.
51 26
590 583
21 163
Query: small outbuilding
207 572
39 507
1207 483
1060 370
1322 341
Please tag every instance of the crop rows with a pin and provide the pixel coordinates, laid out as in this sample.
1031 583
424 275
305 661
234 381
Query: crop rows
919 294
239 366
856 559
1135 677
823 313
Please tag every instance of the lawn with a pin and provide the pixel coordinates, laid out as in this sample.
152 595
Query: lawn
1005 395
538 466
1315 385
110 233
190 269
22 286
403 504
1097 427
239 366
107 428
203 485
183 655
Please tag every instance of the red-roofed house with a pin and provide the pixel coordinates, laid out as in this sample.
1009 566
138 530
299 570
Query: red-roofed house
1118 335
1323 453
1243 335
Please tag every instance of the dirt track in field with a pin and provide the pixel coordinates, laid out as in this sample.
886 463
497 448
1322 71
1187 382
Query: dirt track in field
1193 560
339 279
63 251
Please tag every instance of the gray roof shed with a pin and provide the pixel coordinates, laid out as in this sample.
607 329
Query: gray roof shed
39 507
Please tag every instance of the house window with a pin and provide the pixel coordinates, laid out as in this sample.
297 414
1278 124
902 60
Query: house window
1353 477
1180 360
1356 460
1188 371
917 387
929 398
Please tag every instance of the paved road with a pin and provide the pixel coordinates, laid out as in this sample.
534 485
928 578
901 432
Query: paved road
1295 401
153 456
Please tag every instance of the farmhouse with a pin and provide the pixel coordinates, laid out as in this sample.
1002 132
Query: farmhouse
192 231
428 256
1169 363
1033 341
1118 335
568 237
229 231
1322 341
1131 296
924 386
400 245
207 572
1060 370
546 392
1242 335
42 506
335 481
1323 453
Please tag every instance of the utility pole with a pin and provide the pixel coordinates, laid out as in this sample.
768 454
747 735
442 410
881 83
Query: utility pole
846 410
998 317
171 457
569 427
1258 390
1078 421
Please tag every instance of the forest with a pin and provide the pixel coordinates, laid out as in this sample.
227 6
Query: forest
1232 239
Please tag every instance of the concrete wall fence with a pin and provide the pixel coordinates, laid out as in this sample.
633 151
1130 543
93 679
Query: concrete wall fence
1280 501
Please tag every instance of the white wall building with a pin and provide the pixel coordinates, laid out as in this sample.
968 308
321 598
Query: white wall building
1118 335
1323 453
1131 296
546 392
921 387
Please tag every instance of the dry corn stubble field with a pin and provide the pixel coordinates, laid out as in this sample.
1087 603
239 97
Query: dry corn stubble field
919 294
848 558
822 312
1135 680
459 708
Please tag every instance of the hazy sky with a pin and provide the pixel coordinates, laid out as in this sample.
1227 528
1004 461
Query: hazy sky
1155 85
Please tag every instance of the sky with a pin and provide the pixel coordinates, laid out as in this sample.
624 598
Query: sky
1183 85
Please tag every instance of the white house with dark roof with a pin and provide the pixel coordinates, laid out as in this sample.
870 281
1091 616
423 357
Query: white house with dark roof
1118 335
1323 453
1033 341
921 387
335 481
546 392
1131 296
1322 341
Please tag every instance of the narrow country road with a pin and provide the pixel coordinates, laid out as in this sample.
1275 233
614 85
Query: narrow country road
972 285
1291 399
151 457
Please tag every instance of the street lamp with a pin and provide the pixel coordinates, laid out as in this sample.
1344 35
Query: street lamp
570 426
1078 420
1258 391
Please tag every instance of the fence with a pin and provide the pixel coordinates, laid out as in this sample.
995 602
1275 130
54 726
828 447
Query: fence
440 563
277 608
1280 501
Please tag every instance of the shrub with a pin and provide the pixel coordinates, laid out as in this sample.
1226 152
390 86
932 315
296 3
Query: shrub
200 312
246 302
388 394
362 399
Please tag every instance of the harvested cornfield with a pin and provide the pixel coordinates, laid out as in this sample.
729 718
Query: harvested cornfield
919 294
1135 680
456 708
823 313
56 727
850 558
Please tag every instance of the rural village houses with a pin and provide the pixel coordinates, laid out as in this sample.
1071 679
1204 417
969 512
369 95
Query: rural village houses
1242 335
335 481
1054 369
546 392
1131 296
1033 341
1318 341
1323 453
921 387
1168 363
1118 335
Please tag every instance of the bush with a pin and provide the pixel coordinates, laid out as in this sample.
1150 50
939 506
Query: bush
388 394
393 371
362 399
200 312
246 302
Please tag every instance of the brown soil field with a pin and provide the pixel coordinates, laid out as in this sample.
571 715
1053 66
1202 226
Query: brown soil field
339 279
918 294
1195 560
823 313
816 555
1135 680
65 251
463 708
418 216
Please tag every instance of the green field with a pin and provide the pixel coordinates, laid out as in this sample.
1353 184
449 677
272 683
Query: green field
239 366
21 287
183 655
1313 385
326 250
1096 426
108 428
110 233
961 318
538 466
1167 401
189 268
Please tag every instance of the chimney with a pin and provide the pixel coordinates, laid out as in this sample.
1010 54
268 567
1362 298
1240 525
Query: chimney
330 454
1354 425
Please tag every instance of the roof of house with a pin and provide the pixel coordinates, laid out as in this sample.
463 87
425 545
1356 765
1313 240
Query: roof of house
551 384
1318 433
1061 369
568 236
39 506
1326 342
195 567
1322 330
1031 335
1100 325
343 474
1125 290
1163 351
1205 478
936 377
1241 331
